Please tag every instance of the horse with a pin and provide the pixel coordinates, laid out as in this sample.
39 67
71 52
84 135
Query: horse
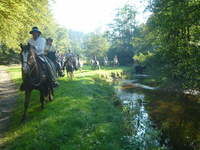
105 61
57 62
80 63
71 64
115 61
95 64
70 69
34 77
61 62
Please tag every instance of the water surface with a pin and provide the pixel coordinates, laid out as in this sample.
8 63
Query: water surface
159 120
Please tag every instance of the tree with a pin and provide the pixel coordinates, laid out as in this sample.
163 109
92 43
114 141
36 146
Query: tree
121 33
176 24
76 42
61 39
96 45
17 17
122 29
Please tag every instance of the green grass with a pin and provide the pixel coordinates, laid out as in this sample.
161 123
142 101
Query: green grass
81 117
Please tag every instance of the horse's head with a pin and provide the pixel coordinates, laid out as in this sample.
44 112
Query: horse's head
27 57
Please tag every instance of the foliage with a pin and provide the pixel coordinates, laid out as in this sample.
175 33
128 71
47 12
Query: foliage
174 27
96 45
123 52
77 42
141 57
17 18
122 29
179 41
121 33
145 40
62 42
8 56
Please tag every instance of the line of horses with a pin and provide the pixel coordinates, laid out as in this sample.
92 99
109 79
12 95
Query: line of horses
35 76
96 64
69 62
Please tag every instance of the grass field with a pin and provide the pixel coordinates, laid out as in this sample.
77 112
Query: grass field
81 117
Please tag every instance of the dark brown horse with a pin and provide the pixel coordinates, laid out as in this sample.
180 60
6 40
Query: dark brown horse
34 76
71 64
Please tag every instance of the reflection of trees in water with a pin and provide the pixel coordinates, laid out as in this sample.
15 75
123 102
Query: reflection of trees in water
174 116
178 119
141 133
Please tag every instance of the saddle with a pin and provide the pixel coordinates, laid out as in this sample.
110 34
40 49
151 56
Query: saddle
52 55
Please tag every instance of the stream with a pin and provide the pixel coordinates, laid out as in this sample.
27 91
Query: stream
158 120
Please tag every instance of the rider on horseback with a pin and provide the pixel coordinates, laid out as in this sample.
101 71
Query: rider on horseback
38 43
50 52
72 58
49 46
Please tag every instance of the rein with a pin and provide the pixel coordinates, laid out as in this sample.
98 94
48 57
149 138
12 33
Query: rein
33 66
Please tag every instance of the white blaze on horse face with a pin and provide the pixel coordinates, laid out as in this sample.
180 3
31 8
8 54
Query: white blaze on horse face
25 61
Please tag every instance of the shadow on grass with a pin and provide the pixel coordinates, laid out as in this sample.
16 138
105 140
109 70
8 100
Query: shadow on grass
82 116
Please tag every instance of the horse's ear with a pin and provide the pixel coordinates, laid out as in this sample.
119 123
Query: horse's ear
21 45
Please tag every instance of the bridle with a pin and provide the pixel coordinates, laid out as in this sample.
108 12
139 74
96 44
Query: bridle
31 65
35 64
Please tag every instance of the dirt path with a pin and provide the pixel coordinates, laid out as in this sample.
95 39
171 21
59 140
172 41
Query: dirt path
8 96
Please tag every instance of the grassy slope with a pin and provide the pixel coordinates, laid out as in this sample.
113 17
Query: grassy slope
82 116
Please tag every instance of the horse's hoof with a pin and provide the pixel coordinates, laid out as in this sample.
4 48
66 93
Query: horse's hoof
51 97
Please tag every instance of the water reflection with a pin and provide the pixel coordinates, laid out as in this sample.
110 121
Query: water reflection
160 120
143 136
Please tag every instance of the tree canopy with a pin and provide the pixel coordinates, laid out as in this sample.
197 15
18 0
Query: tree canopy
121 33
175 27
96 45
17 18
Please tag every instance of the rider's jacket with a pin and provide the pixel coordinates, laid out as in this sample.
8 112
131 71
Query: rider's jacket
49 48
69 56
39 44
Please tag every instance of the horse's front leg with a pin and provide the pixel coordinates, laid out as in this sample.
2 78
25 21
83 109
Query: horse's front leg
26 103
42 99
50 95
72 75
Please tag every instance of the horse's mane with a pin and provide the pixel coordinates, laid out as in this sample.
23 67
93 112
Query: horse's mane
33 63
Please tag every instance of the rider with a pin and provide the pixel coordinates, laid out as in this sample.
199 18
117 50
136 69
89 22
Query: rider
39 43
50 51
49 46
116 59
70 54
72 58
